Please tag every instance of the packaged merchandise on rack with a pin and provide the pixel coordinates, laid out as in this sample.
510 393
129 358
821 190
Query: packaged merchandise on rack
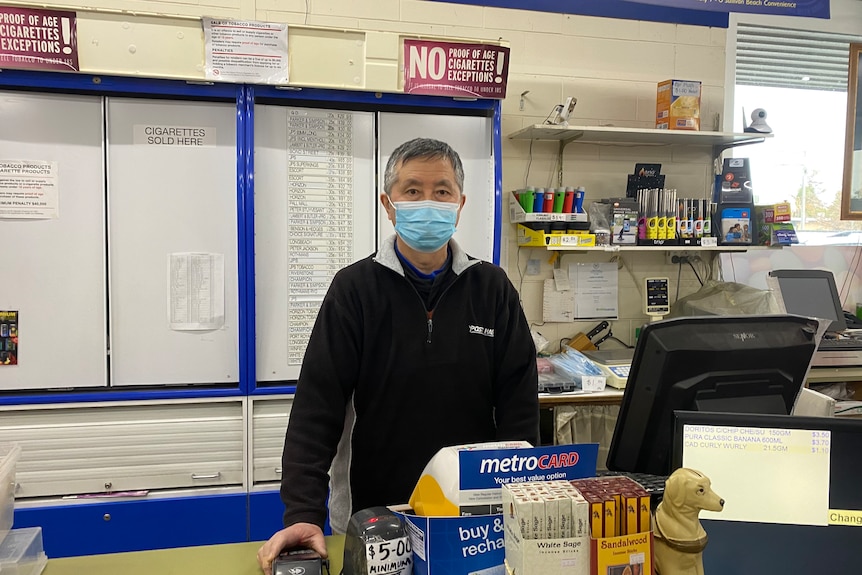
464 483
583 527
541 225
734 221
657 217
773 225
624 220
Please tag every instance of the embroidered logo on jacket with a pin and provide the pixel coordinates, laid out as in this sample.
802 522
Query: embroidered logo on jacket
478 329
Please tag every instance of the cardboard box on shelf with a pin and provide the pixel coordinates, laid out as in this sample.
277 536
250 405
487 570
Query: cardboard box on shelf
678 105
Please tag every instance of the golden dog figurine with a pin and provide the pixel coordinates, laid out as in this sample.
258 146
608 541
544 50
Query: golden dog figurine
679 537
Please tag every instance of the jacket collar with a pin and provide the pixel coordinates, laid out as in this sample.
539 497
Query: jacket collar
387 257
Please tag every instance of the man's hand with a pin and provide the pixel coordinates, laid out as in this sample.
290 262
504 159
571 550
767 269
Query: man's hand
304 535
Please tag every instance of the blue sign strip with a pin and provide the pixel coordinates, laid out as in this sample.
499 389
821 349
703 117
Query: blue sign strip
633 10
809 8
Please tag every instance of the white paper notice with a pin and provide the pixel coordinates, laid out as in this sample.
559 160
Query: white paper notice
242 51
561 279
28 189
195 291
596 290
557 305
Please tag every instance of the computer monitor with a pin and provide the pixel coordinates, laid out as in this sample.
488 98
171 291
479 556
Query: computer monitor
790 486
740 364
811 293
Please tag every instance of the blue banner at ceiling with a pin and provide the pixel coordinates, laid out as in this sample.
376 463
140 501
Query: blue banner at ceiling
810 8
674 13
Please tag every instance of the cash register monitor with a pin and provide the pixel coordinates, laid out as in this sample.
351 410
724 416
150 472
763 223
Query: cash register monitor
738 364
790 485
811 293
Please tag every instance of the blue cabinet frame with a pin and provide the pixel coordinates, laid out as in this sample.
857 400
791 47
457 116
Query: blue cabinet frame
118 526
114 526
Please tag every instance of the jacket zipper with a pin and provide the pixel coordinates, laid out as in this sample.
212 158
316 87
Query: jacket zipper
430 325
430 314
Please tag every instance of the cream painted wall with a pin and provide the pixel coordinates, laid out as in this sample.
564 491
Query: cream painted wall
611 66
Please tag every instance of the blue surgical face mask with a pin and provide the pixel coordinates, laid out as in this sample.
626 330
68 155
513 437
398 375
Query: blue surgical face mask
426 226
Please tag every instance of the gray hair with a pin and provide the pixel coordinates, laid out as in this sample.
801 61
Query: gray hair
425 148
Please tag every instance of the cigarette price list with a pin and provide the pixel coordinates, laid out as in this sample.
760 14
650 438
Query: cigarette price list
319 220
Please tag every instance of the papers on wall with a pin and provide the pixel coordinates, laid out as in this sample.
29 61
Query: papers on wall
243 51
195 291
597 290
557 305
583 291
28 189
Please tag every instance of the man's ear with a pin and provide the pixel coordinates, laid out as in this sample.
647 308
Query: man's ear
461 207
386 201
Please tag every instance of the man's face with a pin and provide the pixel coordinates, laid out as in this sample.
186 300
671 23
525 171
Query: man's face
424 179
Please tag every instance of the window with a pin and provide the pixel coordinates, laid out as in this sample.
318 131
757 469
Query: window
800 78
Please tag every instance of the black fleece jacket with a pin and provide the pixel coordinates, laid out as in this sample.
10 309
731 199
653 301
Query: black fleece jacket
387 383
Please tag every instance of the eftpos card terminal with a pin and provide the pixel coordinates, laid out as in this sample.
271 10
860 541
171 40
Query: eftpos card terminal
300 562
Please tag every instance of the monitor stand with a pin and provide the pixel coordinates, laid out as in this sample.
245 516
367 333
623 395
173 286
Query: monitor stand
760 391
766 404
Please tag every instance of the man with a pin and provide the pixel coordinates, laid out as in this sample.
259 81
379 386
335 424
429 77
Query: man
415 348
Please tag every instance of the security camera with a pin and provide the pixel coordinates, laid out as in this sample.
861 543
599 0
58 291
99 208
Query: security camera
561 112
567 110
758 122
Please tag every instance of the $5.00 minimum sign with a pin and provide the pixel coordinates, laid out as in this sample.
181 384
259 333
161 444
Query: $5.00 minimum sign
392 557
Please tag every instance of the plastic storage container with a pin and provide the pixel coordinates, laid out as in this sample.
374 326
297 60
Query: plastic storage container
22 552
9 453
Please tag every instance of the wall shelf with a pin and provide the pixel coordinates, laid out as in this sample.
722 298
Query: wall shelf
718 142
642 136
657 249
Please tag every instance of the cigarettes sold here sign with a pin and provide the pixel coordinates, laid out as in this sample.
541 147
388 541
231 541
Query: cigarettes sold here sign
38 39
455 69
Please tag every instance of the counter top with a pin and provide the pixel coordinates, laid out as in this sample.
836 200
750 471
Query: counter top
613 396
229 559
609 396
